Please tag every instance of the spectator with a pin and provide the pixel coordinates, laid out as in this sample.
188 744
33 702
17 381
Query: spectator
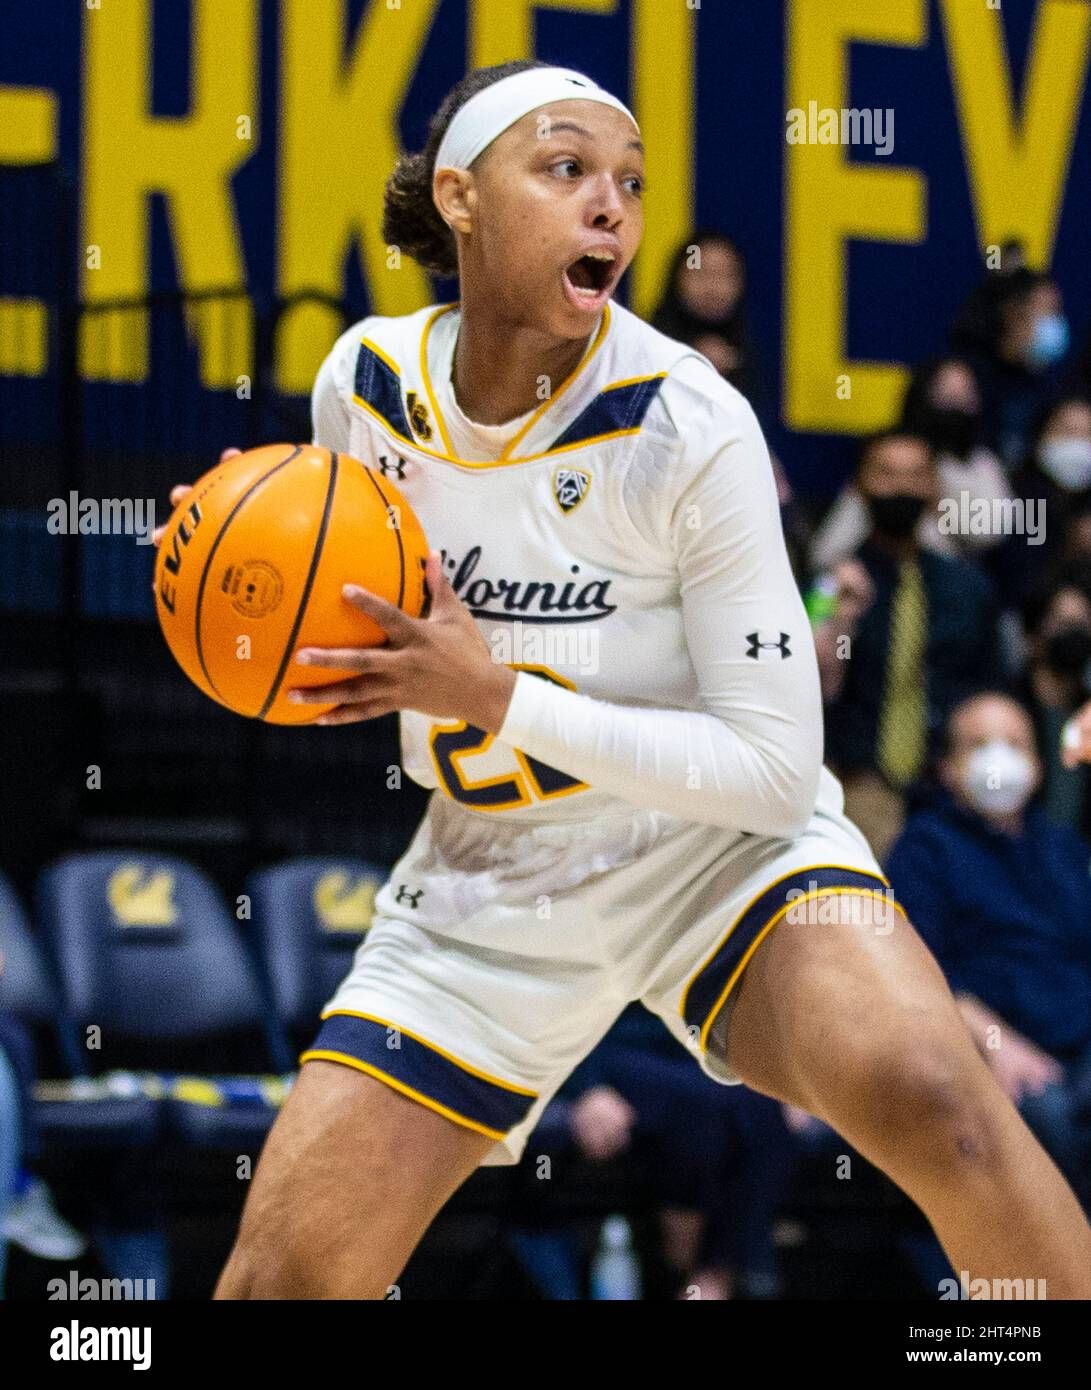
1055 478
797 533
943 405
910 634
704 306
974 324
30 1220
1000 895
720 1157
1056 684
1017 352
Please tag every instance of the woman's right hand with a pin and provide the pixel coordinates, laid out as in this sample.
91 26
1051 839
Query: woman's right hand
181 491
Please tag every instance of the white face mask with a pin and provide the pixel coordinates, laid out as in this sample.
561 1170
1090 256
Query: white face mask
998 778
1067 462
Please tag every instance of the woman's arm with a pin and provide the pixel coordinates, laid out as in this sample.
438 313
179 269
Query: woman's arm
751 760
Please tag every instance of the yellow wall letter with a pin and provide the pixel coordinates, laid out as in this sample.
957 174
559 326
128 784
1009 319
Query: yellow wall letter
827 201
1018 162
339 144
129 153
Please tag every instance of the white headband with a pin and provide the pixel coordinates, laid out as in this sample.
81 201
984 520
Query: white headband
489 113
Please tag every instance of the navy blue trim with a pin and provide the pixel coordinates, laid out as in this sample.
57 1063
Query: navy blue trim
622 408
381 389
706 987
415 1064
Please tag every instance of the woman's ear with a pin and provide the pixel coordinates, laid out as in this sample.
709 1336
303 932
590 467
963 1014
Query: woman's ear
454 196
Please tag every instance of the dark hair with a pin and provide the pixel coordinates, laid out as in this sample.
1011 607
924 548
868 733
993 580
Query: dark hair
979 324
943 738
674 318
918 394
871 442
670 308
1074 573
411 220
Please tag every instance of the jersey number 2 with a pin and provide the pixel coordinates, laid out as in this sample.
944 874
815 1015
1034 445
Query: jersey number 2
536 782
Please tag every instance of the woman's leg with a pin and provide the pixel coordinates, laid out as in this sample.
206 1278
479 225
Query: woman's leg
350 1178
854 1022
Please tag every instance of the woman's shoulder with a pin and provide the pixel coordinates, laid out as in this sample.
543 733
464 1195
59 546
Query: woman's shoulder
693 395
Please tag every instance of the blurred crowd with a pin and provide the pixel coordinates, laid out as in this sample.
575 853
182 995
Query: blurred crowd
949 588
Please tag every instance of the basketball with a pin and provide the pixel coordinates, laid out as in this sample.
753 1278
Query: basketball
252 564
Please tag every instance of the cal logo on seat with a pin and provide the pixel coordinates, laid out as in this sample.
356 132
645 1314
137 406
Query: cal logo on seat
141 899
342 905
570 487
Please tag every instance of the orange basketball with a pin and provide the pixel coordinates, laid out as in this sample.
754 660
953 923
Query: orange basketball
252 564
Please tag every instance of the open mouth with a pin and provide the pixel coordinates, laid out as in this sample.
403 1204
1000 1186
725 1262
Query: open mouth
592 276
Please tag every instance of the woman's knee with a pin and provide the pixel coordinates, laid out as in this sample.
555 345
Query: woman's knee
292 1265
931 1104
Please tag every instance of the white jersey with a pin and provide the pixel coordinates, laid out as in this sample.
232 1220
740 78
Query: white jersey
622 543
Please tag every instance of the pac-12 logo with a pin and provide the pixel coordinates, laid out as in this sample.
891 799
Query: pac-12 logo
570 487
756 645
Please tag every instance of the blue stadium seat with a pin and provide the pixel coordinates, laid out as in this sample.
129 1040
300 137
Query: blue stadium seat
27 991
156 976
310 915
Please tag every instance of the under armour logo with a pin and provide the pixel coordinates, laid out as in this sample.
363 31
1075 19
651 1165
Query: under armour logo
757 645
398 469
404 895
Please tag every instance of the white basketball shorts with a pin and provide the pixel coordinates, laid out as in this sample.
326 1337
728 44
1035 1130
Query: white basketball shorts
500 954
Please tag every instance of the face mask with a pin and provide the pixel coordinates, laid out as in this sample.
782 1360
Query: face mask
948 430
896 516
1067 462
1049 341
1068 650
998 778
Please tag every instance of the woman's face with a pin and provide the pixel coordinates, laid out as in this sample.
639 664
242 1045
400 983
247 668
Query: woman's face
564 181
955 388
710 287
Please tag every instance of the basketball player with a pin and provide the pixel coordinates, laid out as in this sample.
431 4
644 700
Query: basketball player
615 697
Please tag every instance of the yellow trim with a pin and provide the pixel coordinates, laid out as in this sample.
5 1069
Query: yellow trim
424 1042
505 460
539 793
487 463
760 937
580 444
437 731
632 381
320 1055
426 378
803 869
535 792
377 350
552 400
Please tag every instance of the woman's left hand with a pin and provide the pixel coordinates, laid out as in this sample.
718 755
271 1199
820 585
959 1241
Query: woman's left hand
439 665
